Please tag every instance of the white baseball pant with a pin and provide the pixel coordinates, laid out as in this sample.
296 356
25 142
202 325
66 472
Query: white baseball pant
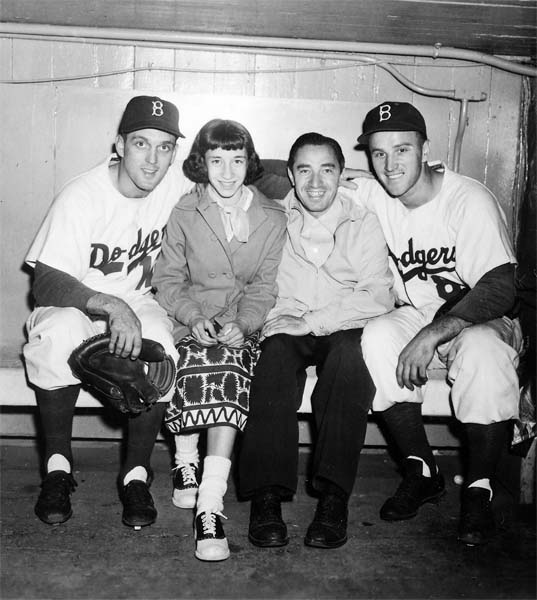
480 364
53 333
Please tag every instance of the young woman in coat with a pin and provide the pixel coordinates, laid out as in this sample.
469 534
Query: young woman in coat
216 278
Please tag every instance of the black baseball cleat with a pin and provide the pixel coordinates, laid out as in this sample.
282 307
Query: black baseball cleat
54 503
476 524
267 528
413 491
329 526
138 506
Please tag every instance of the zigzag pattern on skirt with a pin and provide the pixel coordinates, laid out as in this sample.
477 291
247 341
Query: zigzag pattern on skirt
178 421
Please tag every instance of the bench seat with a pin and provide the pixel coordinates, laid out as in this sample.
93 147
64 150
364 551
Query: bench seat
14 391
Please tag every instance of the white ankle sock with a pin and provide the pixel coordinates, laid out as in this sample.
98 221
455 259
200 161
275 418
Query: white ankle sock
213 484
58 462
186 448
484 484
135 473
425 471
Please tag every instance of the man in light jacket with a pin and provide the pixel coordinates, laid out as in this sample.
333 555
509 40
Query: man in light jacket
334 277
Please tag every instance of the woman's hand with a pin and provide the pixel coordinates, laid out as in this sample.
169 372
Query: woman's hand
203 331
231 335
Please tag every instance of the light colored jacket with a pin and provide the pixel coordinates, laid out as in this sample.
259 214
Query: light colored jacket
200 273
353 285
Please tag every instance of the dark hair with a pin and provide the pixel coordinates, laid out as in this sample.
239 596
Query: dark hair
225 134
315 139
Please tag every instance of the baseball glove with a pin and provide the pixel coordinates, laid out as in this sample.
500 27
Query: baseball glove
131 386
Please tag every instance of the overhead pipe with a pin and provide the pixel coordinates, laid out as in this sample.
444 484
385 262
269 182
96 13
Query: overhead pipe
278 46
211 39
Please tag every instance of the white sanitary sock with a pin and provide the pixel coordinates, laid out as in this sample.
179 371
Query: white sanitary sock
186 449
139 473
58 462
213 484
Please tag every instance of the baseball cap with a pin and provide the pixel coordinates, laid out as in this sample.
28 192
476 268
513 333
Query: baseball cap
150 112
392 116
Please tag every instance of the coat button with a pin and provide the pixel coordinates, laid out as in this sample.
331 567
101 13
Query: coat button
212 274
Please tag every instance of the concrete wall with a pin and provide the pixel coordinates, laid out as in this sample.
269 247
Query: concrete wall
53 130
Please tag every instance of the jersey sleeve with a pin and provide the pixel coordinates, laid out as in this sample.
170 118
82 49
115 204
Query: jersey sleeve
482 240
63 240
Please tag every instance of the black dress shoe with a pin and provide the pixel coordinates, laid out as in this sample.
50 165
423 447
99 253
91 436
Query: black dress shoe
267 528
413 491
329 526
476 524
138 507
54 503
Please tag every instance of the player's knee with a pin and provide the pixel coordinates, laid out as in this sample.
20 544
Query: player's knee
376 339
478 345
65 326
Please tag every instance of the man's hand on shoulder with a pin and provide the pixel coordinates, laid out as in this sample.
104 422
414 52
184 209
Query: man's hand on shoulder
348 174
124 326
285 324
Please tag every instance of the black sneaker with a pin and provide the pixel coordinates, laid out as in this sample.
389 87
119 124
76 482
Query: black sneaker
413 491
138 506
267 528
476 524
211 542
329 526
54 503
186 482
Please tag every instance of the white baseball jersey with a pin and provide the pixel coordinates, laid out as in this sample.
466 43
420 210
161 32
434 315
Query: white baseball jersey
443 246
105 240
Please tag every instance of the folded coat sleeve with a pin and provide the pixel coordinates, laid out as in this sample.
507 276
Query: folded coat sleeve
373 291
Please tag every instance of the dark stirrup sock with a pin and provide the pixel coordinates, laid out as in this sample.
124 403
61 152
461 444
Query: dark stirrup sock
405 424
56 411
141 436
485 445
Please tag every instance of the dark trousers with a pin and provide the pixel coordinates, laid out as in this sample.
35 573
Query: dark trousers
340 402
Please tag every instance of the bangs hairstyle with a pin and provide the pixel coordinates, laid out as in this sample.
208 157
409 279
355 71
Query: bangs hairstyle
315 139
228 135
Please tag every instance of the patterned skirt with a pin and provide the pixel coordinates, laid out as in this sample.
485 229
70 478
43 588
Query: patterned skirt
212 385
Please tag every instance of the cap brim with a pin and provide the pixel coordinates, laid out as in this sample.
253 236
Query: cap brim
364 138
140 126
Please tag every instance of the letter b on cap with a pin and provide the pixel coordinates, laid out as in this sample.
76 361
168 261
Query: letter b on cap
385 112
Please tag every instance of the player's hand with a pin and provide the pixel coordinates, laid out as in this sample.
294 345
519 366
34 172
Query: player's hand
203 331
414 359
285 324
231 335
125 327
125 331
348 174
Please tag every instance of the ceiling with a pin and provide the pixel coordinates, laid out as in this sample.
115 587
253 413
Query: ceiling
500 27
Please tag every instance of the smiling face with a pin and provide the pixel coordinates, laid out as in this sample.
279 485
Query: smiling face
146 156
398 159
226 170
315 177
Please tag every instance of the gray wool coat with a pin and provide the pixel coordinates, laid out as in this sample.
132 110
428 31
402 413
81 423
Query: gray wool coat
200 273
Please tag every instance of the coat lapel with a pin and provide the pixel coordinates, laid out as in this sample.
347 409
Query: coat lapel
211 215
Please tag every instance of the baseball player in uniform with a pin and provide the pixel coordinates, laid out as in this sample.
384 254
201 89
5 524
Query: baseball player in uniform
93 257
454 281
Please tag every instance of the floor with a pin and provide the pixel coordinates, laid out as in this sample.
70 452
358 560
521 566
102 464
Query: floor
94 556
